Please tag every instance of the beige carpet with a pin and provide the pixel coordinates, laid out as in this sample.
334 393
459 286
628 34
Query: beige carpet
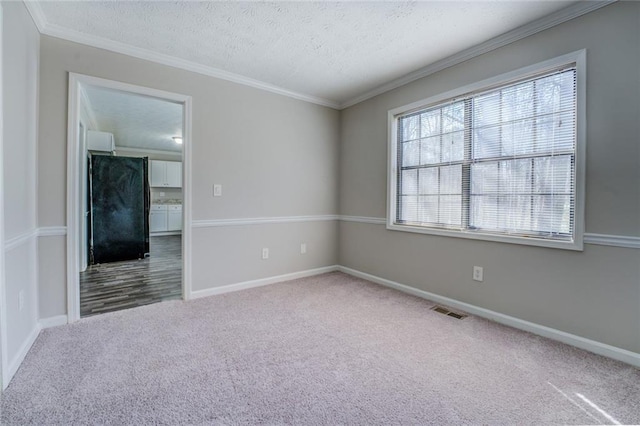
330 349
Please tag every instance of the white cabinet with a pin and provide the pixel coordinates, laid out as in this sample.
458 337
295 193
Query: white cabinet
174 174
165 217
157 173
174 218
100 141
166 174
157 218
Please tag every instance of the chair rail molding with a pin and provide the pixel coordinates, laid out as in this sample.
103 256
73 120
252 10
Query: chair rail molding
626 241
261 220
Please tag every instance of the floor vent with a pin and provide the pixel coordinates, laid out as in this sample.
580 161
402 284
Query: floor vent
445 311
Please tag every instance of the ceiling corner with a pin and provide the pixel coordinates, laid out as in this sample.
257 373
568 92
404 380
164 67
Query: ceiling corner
36 14
574 11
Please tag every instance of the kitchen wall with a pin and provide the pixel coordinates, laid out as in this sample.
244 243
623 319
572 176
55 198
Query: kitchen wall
163 195
275 157
20 56
594 293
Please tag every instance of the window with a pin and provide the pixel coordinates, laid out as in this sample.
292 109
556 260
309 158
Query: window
499 160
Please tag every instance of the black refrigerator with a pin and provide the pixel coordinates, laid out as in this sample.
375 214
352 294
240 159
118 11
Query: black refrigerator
119 211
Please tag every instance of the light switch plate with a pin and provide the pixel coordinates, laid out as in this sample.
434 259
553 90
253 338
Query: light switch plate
217 190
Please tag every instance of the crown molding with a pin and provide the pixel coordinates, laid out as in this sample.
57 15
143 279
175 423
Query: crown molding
57 31
564 15
161 58
36 14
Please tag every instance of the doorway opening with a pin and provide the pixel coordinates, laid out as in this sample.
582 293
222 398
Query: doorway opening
128 210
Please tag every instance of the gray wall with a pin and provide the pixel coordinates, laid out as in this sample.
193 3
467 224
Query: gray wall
20 52
595 293
274 156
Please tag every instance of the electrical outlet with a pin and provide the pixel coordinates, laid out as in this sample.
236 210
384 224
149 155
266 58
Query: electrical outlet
217 190
21 299
303 248
478 273
265 253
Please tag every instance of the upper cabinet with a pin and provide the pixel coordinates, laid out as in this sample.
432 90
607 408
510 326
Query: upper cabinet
166 174
100 141
174 174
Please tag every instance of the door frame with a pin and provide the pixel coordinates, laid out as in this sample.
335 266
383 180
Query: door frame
4 357
73 178
82 145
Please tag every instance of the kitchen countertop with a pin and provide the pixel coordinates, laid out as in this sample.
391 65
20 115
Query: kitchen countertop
168 201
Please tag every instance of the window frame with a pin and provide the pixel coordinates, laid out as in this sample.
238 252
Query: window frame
576 243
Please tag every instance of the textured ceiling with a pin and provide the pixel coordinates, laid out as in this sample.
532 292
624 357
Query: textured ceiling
136 121
330 50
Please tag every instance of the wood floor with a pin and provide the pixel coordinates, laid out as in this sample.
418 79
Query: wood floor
121 285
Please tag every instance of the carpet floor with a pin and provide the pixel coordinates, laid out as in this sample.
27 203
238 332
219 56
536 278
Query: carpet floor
330 349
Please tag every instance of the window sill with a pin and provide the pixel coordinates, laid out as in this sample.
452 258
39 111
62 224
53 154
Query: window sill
575 245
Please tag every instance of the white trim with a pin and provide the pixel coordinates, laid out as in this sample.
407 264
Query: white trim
22 353
261 220
52 231
599 348
54 321
187 196
593 239
4 356
612 240
19 240
73 197
37 14
88 108
149 151
364 219
576 243
564 15
73 200
262 282
54 30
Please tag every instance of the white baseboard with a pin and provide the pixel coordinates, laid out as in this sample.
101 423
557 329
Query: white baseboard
599 348
262 282
53 321
15 363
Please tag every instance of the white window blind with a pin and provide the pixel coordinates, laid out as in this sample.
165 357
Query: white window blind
499 160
